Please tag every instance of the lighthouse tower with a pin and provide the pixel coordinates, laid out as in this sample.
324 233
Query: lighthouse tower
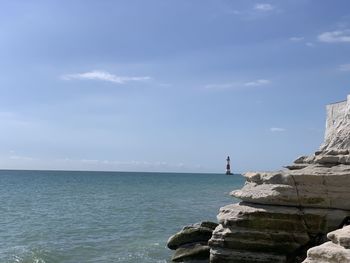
228 166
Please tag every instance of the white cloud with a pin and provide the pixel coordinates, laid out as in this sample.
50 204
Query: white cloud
259 82
238 85
104 76
337 36
257 11
344 67
222 86
277 129
296 39
15 156
264 7
23 158
310 44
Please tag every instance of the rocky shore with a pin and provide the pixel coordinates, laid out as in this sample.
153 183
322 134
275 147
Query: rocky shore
284 214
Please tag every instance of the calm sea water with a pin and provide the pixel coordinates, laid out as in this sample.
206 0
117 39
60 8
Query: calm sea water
72 217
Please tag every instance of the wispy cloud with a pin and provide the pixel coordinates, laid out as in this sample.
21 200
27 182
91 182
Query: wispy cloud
22 158
15 156
103 76
264 7
238 85
344 67
257 11
222 86
302 40
277 129
296 39
259 82
338 36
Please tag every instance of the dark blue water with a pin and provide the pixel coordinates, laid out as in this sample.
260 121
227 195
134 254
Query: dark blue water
72 217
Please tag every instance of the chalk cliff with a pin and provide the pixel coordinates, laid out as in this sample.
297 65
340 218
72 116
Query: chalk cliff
284 213
337 134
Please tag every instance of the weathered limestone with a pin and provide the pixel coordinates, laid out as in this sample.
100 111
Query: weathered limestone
312 186
279 232
286 212
335 251
191 243
328 253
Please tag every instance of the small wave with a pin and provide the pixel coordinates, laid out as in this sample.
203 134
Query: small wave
27 255
28 259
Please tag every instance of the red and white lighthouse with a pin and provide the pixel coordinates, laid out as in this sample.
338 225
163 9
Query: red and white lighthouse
228 166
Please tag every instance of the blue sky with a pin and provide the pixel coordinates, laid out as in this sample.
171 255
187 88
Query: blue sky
165 85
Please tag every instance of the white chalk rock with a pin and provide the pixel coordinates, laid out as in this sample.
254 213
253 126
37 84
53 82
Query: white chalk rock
328 253
337 134
341 237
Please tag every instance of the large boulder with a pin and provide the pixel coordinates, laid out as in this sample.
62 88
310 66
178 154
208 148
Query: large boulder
191 243
189 235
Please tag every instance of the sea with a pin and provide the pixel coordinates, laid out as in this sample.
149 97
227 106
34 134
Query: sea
103 217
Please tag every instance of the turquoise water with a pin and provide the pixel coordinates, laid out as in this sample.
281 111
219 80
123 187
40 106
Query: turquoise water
72 217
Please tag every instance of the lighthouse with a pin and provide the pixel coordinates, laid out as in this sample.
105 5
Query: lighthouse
228 166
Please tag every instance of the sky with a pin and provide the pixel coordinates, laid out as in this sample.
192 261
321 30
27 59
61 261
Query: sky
168 85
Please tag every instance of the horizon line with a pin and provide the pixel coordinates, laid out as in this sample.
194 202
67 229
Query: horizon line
106 171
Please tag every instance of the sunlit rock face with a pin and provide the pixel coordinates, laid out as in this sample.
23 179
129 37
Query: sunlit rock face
284 213
337 135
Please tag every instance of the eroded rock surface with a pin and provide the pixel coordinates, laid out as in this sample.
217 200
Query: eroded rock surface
335 251
341 237
316 185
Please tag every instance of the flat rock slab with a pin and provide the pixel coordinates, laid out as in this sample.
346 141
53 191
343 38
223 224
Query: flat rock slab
206 224
314 186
